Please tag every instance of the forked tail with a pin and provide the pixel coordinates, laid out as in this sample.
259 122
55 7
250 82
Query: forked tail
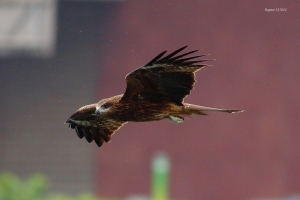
200 110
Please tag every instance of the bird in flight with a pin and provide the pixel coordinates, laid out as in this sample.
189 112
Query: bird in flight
154 92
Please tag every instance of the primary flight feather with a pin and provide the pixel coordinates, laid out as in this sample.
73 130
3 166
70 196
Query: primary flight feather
154 91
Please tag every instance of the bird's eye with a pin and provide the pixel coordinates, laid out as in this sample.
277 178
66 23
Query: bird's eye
106 105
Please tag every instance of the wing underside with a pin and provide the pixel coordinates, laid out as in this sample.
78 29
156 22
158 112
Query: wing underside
92 128
97 131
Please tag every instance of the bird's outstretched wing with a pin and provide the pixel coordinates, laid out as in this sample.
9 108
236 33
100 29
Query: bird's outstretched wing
92 128
164 78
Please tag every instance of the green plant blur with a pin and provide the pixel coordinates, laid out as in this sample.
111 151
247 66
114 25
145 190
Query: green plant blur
34 188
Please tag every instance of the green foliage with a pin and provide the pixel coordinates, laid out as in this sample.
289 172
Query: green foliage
12 188
86 196
34 188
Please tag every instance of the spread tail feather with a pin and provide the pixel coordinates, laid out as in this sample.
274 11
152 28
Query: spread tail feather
200 110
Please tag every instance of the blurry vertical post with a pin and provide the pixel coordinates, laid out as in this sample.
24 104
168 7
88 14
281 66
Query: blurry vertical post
160 177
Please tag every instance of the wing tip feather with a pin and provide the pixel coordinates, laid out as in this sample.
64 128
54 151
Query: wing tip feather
174 58
156 58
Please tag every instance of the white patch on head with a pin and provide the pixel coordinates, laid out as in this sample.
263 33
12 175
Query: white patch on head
100 110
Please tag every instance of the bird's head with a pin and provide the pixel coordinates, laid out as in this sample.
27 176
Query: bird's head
103 107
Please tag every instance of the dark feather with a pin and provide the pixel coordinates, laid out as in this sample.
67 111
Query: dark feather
72 126
169 59
172 54
191 63
156 58
106 134
97 137
79 132
177 85
185 54
185 59
88 135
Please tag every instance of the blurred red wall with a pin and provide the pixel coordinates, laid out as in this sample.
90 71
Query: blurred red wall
220 156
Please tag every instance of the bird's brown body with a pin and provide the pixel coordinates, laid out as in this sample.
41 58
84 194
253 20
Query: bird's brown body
142 111
154 92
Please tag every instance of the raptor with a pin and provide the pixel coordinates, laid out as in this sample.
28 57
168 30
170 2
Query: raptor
155 91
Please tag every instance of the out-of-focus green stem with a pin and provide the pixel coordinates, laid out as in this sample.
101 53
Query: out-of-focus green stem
160 177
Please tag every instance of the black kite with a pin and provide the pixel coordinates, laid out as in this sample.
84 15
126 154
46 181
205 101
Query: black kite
154 91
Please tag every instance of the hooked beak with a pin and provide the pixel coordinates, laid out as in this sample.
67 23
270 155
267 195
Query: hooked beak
97 113
68 121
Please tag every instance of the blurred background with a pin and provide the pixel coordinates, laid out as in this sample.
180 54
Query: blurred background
57 56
